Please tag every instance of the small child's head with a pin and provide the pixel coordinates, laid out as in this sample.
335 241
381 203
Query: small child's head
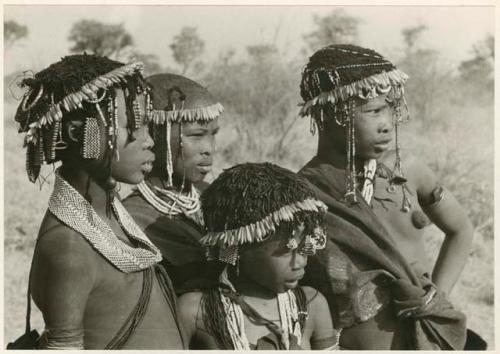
184 124
266 218
355 97
89 112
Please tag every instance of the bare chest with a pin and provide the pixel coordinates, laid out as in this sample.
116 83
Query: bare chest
113 300
405 225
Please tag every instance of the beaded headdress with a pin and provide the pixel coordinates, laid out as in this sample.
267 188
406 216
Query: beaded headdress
78 87
250 202
177 99
334 78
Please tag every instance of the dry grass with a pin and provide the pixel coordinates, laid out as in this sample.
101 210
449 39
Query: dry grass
25 205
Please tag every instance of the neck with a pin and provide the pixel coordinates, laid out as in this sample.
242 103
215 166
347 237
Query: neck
337 159
162 183
82 181
247 287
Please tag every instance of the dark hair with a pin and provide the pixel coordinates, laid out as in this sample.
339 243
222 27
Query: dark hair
55 98
247 193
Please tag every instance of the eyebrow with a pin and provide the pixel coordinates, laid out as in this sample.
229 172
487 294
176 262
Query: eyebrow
373 106
200 129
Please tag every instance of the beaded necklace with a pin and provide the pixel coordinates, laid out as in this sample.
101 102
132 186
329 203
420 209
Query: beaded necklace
288 312
176 203
72 209
369 168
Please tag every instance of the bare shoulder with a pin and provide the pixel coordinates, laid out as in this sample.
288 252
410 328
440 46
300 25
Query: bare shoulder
189 305
64 272
59 245
314 298
319 324
190 300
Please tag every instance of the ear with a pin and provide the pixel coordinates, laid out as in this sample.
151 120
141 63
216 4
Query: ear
74 130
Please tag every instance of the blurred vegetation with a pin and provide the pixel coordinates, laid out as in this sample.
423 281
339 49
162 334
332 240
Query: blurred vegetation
451 128
99 38
13 32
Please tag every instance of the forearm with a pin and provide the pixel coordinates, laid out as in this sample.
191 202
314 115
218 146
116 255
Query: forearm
451 260
69 339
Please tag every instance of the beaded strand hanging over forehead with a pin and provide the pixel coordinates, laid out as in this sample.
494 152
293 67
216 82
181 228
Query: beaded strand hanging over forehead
177 99
78 83
338 75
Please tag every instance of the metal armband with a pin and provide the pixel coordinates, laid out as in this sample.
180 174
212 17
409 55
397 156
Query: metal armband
437 196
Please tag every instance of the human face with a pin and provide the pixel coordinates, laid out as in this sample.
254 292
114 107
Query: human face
194 159
272 264
135 155
373 127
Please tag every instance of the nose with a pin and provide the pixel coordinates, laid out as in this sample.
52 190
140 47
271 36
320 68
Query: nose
299 260
148 140
208 146
386 124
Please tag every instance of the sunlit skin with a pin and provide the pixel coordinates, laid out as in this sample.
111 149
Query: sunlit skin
73 285
265 269
193 162
374 131
271 265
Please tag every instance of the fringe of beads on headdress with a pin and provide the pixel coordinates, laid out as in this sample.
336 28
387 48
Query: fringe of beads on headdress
343 103
343 93
207 113
88 92
48 127
159 117
259 230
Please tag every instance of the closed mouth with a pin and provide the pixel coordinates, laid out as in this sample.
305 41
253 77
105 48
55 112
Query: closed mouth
382 144
205 168
296 278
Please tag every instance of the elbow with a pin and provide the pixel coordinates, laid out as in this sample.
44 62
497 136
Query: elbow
463 234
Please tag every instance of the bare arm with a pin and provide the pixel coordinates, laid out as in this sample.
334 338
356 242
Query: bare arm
189 306
62 277
449 216
323 335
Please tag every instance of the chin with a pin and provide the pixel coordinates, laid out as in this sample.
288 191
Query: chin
372 155
132 180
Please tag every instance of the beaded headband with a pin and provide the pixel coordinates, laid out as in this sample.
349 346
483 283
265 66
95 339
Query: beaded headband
334 77
75 80
249 202
177 99
339 72
208 113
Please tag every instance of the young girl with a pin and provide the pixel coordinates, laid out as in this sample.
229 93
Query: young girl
94 274
263 222
167 204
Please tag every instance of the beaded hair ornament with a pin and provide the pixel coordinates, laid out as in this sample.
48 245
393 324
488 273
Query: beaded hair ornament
249 203
332 81
176 99
79 87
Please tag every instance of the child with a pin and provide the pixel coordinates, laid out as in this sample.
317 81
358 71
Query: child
263 222
94 275
377 212
167 204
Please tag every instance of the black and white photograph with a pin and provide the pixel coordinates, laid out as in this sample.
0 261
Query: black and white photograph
249 176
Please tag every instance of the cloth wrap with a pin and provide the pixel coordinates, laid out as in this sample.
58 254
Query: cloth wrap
361 271
177 238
